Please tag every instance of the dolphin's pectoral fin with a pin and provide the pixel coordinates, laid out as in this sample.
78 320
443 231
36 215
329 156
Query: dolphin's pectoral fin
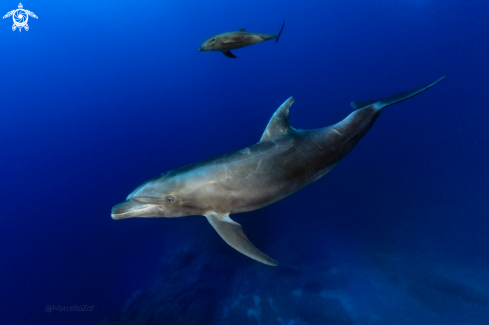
229 54
233 234
384 102
279 123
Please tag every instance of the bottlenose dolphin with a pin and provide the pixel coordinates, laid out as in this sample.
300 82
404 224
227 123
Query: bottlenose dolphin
235 40
281 163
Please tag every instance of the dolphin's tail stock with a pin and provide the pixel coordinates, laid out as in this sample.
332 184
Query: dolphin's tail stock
384 102
281 29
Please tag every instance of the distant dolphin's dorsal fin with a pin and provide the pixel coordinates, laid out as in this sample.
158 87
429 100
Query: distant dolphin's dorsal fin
233 234
229 54
279 123
384 102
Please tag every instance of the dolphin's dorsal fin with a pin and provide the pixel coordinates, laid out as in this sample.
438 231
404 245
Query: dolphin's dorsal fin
242 30
233 234
279 123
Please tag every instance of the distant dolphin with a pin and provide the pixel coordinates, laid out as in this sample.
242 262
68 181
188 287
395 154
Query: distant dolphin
284 161
235 40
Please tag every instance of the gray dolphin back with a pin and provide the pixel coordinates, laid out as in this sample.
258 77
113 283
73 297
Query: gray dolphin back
384 102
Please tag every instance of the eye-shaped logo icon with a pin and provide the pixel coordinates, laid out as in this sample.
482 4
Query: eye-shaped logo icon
20 17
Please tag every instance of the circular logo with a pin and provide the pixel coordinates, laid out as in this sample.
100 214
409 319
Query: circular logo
20 18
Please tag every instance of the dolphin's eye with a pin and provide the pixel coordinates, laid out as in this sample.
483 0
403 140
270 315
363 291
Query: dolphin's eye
212 40
170 200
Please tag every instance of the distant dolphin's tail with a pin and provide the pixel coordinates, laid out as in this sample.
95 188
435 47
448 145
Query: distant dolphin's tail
384 102
281 29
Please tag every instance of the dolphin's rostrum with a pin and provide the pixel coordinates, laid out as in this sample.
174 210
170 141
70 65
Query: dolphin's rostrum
281 163
234 40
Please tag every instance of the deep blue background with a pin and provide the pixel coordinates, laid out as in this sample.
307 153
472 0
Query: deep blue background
99 96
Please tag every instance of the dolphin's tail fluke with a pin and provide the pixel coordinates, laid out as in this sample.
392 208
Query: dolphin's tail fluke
281 29
384 102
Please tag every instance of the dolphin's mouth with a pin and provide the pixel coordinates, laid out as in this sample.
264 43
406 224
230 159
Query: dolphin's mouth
130 209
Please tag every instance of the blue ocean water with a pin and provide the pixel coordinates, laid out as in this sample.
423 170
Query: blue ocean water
99 96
